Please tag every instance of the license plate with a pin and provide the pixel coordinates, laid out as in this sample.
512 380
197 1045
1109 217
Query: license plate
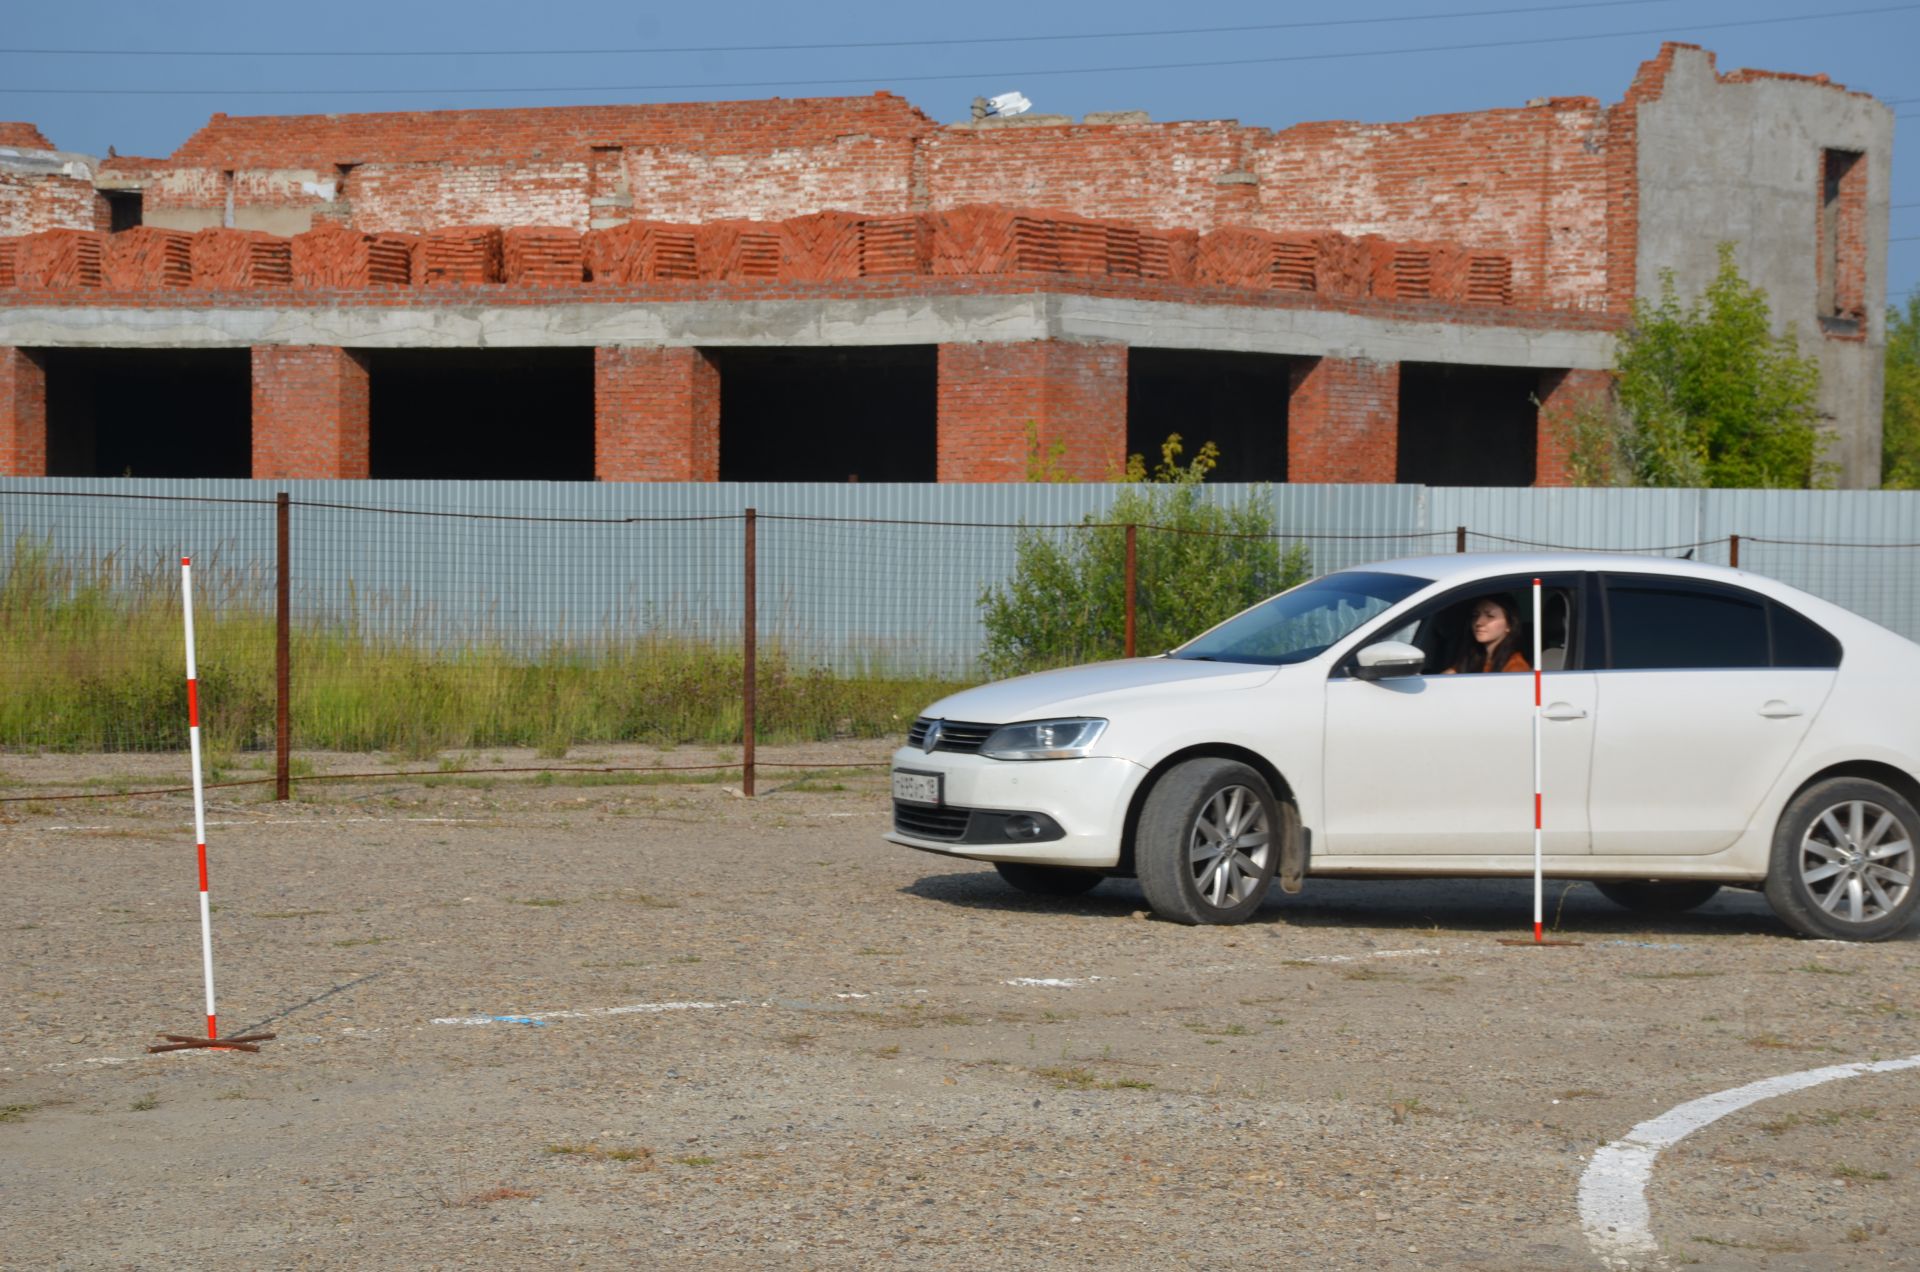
916 788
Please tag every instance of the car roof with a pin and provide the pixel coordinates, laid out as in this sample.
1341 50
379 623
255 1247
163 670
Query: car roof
1465 567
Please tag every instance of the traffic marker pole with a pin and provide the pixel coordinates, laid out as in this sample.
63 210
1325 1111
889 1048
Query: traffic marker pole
1538 881
177 1042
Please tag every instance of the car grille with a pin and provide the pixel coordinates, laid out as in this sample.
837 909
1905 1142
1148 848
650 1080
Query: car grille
955 735
923 822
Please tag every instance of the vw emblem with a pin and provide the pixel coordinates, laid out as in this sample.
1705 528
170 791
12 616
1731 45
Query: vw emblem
932 739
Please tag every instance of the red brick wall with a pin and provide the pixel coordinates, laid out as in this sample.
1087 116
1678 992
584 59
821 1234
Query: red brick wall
310 412
23 414
1850 226
1343 421
1074 397
656 415
1562 394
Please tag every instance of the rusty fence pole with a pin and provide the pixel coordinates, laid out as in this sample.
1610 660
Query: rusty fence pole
1132 575
1733 551
1459 538
282 650
749 671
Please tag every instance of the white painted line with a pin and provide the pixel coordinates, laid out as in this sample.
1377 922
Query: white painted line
1613 1191
542 1017
305 821
1053 982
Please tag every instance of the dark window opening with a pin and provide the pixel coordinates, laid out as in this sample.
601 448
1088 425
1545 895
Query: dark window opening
481 414
1238 401
1841 265
1467 426
814 414
149 413
124 208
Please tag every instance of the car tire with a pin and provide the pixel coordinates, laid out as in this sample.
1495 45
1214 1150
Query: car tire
1644 897
1207 842
1840 851
1047 881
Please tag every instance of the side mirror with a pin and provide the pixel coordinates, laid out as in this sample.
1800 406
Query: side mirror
1388 658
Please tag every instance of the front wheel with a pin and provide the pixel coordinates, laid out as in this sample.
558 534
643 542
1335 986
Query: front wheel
1048 881
1844 861
1206 848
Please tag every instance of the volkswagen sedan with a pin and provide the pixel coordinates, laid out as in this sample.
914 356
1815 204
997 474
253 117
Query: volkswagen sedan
1699 728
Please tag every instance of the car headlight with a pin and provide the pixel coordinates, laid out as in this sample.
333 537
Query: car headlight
1043 740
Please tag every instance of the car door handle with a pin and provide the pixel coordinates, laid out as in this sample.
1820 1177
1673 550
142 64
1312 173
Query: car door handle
1774 709
1564 711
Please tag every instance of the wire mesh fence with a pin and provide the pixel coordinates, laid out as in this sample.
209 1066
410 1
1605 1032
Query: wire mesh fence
330 625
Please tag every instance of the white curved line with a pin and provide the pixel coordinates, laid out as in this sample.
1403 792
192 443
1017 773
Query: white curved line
1613 1191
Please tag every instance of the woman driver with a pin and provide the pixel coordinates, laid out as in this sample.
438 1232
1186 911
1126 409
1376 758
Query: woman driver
1494 638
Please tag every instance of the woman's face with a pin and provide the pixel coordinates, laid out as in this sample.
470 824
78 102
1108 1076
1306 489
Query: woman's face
1490 625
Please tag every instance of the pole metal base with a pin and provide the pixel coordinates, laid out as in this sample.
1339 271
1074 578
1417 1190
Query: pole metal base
181 1042
1505 940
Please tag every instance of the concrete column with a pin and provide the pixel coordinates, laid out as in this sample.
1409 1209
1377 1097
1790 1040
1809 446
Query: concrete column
1343 421
310 412
656 415
1563 395
1045 409
23 413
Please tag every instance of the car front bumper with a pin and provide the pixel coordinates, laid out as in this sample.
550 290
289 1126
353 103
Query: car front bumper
1087 798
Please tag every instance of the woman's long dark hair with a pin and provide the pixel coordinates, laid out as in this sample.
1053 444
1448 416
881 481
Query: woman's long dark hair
1473 655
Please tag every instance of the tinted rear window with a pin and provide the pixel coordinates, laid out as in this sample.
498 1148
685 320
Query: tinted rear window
1656 627
1798 641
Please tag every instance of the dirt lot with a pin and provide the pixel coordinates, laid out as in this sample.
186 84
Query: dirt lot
736 1034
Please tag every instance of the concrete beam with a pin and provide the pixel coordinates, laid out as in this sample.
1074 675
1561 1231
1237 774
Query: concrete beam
992 319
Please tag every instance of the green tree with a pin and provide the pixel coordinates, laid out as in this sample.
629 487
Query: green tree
1900 417
1705 395
1195 563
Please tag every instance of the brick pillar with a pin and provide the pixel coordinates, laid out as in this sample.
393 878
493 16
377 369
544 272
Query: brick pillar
23 413
1074 397
656 415
309 412
1343 421
1562 394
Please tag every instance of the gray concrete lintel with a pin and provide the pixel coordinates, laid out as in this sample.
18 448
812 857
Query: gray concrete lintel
895 320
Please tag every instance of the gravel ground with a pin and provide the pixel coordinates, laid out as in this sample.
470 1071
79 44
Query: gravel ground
844 1054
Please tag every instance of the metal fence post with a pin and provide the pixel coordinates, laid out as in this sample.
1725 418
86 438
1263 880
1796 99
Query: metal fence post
1459 538
282 651
749 670
1132 560
1733 551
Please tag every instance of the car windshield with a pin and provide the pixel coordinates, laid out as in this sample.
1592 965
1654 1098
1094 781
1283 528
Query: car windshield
1294 626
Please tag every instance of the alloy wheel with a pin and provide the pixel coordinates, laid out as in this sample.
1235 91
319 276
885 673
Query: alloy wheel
1857 861
1230 847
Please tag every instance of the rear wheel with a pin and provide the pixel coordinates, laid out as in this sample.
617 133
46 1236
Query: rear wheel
1207 842
1844 861
1048 881
1657 898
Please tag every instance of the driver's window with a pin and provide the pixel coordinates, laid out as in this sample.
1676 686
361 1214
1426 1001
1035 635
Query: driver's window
1462 630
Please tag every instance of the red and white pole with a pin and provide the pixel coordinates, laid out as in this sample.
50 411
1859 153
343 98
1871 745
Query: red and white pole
1538 882
199 795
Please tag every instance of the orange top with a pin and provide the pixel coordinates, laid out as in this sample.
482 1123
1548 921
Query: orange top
1516 661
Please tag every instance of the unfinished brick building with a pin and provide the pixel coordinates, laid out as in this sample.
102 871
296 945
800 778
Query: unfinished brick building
842 288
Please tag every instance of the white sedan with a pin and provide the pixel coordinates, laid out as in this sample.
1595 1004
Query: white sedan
1700 727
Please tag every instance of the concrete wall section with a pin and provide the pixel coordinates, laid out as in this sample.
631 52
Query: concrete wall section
23 414
310 413
1737 158
892 320
656 415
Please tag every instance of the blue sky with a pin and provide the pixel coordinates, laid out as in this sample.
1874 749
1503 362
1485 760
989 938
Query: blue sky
208 57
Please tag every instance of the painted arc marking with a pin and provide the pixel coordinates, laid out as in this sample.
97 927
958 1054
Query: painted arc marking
541 1017
1613 1190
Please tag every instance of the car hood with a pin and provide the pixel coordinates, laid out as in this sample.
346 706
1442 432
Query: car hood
1091 689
